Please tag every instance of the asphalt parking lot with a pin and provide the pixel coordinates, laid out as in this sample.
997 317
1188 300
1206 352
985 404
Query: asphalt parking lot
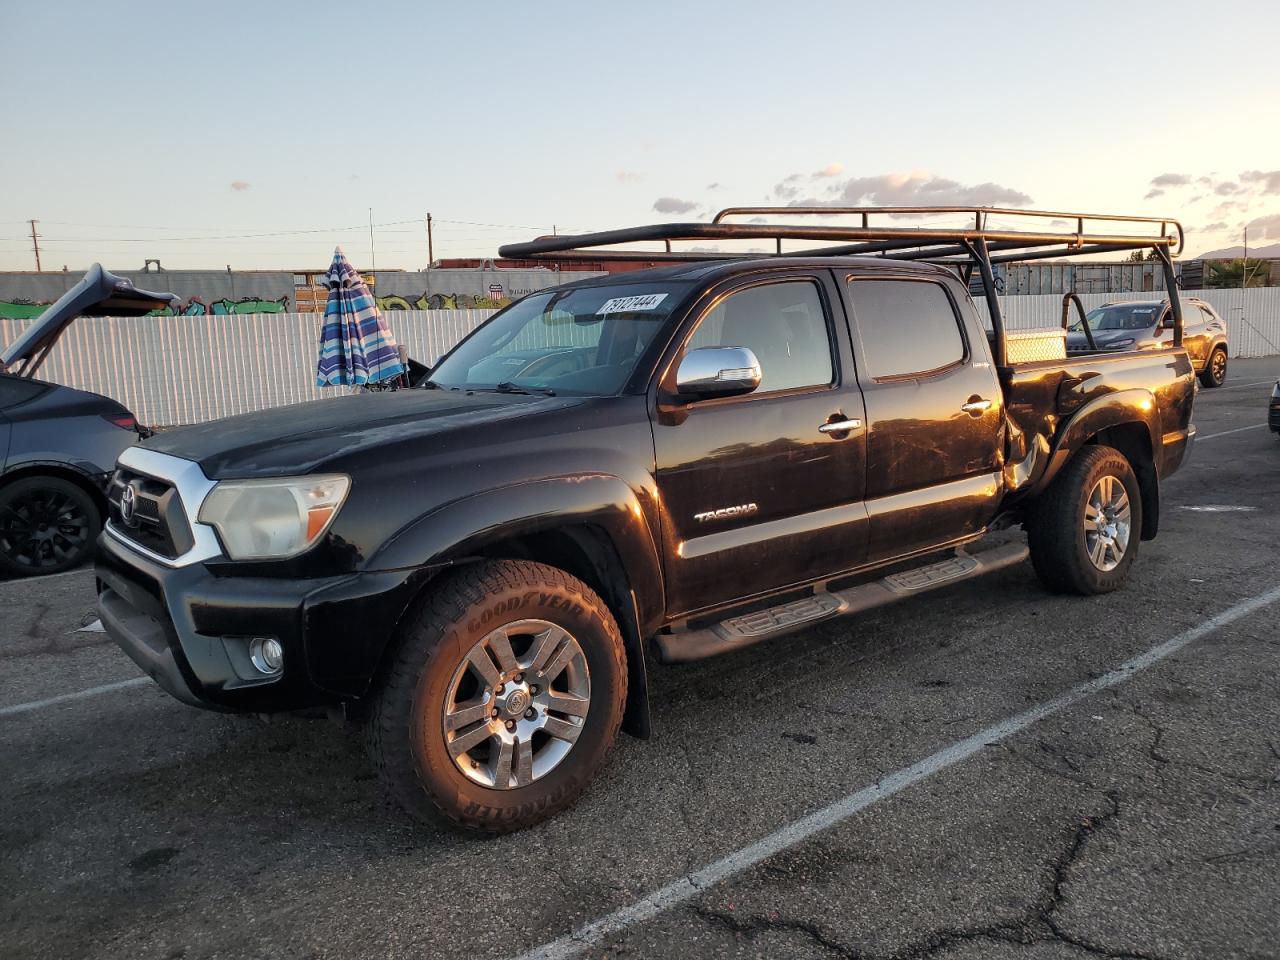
1130 814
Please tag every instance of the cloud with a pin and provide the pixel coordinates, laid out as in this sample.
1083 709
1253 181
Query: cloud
1153 193
1226 188
784 191
1216 225
240 186
830 170
1171 180
1269 179
673 205
1265 228
757 220
629 176
911 189
714 186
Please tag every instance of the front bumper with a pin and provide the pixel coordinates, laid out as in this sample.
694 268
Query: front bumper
189 629
1273 414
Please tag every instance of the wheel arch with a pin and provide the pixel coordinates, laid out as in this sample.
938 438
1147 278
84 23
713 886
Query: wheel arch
61 471
593 528
1128 421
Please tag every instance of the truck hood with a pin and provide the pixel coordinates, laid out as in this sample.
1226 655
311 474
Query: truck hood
304 437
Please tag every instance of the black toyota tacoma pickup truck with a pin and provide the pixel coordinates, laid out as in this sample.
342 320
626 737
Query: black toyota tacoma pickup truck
667 464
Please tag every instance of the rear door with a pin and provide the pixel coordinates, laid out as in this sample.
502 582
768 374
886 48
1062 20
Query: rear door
1195 337
935 416
755 496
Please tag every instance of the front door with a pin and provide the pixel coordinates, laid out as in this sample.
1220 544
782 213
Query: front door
755 495
935 416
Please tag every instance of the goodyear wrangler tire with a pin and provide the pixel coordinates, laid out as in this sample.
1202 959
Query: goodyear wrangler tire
503 698
1084 529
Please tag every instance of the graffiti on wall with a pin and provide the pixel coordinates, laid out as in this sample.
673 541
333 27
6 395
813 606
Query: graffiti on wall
443 301
195 307
21 309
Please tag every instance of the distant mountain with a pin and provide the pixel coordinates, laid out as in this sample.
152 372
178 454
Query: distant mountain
1270 252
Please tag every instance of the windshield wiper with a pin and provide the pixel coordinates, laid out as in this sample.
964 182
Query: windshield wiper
506 386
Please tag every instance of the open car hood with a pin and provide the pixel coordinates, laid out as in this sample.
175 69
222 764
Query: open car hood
97 294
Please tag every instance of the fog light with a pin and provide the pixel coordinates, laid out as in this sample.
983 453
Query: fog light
267 654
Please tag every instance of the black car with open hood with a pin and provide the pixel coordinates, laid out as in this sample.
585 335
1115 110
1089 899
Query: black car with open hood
59 444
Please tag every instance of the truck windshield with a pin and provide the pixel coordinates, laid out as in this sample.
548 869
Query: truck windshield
1122 316
582 341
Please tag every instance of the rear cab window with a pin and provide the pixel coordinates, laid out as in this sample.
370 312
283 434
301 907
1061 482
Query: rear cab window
908 328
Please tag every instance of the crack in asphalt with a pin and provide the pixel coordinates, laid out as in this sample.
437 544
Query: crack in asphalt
1038 924
1153 751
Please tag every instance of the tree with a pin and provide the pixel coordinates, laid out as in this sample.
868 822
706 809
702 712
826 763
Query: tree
1230 273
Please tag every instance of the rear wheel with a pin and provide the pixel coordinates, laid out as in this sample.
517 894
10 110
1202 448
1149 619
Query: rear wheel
502 701
47 525
1084 530
1215 369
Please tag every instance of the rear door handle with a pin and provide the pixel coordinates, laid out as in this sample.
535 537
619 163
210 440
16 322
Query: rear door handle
976 406
840 426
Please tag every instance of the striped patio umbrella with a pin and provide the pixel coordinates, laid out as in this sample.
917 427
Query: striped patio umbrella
356 345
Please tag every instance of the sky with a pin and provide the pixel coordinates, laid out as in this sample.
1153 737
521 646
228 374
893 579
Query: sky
261 135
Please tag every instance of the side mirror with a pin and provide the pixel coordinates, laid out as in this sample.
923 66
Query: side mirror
1167 322
717 372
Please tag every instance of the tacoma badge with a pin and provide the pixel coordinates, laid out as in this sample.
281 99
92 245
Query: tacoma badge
742 510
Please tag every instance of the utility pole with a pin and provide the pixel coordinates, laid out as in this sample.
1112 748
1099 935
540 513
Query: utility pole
372 255
35 242
431 253
1244 264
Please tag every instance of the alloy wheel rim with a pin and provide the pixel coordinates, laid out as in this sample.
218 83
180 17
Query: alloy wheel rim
1107 523
1219 365
516 704
45 528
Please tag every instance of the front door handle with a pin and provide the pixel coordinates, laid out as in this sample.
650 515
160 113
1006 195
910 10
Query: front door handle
840 426
976 407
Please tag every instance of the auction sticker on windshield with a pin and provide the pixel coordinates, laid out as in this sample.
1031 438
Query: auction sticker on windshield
643 301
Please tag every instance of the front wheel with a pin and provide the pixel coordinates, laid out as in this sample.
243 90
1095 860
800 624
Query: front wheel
47 525
1215 369
1084 529
503 700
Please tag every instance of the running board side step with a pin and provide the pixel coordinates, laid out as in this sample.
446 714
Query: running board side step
750 628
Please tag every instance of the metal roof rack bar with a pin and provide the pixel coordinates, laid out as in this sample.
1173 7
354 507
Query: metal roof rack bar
967 247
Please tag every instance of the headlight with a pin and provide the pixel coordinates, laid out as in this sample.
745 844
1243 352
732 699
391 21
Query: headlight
273 519
1275 391
1117 344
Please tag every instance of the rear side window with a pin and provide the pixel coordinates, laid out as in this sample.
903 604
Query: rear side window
783 324
907 327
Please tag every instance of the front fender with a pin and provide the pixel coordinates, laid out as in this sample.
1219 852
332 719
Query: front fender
465 527
1110 410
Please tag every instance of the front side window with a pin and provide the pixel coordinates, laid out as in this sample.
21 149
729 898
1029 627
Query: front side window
583 341
783 324
908 327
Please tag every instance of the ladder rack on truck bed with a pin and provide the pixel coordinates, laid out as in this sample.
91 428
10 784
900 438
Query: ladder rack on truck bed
966 248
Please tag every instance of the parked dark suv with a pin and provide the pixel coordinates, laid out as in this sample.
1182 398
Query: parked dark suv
671 463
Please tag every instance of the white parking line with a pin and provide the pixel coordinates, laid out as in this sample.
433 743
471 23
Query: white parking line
1251 383
1252 426
78 695
686 888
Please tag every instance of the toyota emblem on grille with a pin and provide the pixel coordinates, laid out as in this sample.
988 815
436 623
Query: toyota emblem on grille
129 505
